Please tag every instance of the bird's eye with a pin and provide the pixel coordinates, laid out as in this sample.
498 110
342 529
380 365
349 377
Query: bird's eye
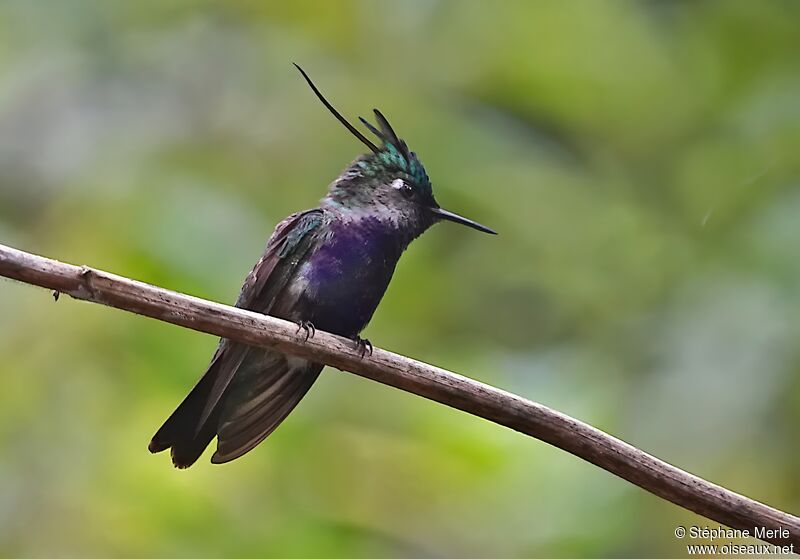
403 187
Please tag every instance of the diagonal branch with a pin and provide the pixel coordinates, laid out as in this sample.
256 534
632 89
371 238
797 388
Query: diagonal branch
433 383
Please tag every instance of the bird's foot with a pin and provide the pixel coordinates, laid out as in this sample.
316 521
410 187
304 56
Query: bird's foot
363 346
308 327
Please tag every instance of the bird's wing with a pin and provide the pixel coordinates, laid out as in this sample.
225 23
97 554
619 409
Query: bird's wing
286 247
266 388
194 423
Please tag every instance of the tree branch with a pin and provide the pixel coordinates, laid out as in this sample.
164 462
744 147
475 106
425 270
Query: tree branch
433 383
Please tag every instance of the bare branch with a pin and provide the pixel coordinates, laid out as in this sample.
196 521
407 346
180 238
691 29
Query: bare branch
433 383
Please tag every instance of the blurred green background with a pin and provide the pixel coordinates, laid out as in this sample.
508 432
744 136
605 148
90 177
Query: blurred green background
640 160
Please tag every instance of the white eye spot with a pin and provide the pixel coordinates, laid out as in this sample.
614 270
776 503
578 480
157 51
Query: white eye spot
398 184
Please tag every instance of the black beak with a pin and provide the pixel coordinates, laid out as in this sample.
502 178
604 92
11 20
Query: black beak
441 213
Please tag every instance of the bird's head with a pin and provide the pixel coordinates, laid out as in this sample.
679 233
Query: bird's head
389 182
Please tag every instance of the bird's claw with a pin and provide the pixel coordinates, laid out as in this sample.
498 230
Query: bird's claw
363 346
308 327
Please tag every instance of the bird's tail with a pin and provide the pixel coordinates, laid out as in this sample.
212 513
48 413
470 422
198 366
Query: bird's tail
184 431
243 396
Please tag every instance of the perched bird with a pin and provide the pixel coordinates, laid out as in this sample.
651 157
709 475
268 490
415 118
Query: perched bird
325 268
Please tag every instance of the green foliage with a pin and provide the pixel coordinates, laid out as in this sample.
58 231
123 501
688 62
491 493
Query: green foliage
639 159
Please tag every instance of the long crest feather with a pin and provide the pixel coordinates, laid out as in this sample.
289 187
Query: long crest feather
338 116
389 134
371 128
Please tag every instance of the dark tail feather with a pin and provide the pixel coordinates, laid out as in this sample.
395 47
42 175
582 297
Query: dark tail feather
186 451
243 396
181 431
192 426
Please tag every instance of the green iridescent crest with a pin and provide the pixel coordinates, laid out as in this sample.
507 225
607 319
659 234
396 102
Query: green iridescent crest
389 160
392 157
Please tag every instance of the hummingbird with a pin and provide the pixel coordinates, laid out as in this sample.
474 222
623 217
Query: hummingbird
327 268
